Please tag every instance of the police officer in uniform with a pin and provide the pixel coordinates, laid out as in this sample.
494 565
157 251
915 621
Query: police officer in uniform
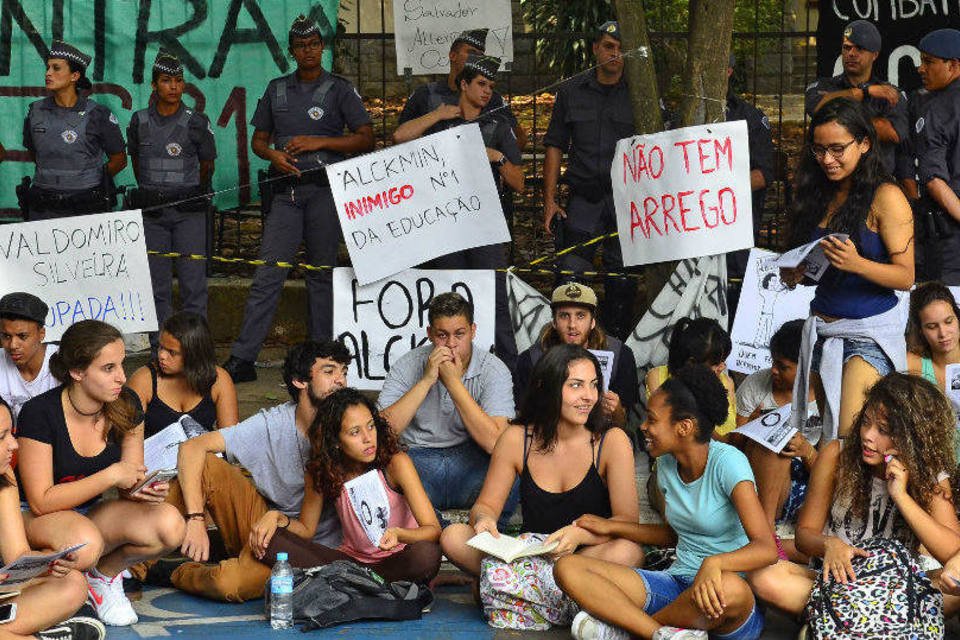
883 101
304 114
67 134
428 97
937 140
475 89
173 151
591 113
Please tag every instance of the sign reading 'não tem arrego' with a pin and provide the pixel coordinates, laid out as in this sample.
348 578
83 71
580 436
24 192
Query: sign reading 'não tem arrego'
83 267
413 202
425 29
683 193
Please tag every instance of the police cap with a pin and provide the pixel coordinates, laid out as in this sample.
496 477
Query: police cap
486 65
609 28
60 49
864 34
167 63
942 43
476 38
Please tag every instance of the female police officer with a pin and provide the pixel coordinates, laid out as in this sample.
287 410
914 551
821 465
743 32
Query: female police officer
172 149
67 134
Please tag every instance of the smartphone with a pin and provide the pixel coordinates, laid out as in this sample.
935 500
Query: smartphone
160 475
8 612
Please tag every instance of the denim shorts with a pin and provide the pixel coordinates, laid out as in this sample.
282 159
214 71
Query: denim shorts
867 349
663 588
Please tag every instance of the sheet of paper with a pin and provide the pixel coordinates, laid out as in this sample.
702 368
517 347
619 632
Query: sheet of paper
811 255
772 430
368 497
160 450
952 383
606 365
28 567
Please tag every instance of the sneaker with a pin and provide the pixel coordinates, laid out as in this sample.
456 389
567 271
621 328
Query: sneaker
586 627
676 633
240 370
76 628
107 597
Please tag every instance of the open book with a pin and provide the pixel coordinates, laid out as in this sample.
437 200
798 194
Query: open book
26 568
508 548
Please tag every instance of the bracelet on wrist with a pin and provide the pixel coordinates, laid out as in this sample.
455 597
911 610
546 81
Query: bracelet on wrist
194 516
285 524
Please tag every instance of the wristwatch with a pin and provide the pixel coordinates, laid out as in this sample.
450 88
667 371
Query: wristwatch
502 161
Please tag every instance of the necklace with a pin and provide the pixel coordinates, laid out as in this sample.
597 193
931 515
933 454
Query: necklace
75 408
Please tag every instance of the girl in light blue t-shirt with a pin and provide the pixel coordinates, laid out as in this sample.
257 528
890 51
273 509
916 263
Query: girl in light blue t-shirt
714 519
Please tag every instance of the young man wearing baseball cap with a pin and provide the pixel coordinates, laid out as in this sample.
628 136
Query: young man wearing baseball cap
25 359
884 102
574 321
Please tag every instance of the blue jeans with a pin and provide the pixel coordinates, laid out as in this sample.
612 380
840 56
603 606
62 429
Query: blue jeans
453 477
663 588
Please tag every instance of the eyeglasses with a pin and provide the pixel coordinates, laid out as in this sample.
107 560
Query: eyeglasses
835 150
303 46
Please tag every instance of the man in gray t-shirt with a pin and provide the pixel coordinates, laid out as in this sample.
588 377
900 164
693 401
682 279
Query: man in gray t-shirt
272 446
449 402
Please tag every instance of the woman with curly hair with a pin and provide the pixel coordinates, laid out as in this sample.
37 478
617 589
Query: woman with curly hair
888 479
713 517
349 438
854 335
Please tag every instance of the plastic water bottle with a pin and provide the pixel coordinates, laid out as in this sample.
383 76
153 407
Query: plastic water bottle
281 593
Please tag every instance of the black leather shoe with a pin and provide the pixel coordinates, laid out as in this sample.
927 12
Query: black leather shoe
240 370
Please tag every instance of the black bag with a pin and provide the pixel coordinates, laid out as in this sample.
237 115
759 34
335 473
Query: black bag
344 591
891 598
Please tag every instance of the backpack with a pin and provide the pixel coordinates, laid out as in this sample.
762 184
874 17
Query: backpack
344 591
891 598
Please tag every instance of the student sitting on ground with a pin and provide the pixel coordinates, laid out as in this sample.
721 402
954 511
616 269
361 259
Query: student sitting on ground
184 379
25 359
46 602
574 321
713 517
272 446
781 477
569 462
77 441
888 479
349 438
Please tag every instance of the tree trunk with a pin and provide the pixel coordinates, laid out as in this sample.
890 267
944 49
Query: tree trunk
639 69
708 54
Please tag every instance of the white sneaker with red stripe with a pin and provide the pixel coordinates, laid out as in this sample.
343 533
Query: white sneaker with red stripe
107 597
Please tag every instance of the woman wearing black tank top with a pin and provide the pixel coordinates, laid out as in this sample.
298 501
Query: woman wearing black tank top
184 379
568 462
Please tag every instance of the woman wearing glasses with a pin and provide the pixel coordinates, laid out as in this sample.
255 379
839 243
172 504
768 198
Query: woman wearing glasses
854 335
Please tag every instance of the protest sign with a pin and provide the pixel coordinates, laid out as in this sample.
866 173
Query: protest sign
413 202
683 193
529 311
423 31
765 304
370 504
901 24
230 50
605 358
381 322
772 429
83 267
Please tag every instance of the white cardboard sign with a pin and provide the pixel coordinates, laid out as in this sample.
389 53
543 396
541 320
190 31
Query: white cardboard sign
84 267
424 30
381 322
410 203
683 193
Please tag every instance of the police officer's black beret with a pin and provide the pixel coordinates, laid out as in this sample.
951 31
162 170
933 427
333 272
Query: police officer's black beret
864 34
942 43
168 63
486 65
609 28
60 49
304 27
476 38
21 305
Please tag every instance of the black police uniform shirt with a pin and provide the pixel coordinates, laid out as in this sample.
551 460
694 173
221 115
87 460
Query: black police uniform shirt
938 137
198 145
342 107
587 121
758 133
102 132
428 97
876 107
497 134
906 165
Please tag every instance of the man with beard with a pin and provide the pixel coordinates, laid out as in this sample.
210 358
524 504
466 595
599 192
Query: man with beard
273 447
